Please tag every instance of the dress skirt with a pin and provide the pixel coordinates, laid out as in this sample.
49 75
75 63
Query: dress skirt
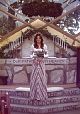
38 80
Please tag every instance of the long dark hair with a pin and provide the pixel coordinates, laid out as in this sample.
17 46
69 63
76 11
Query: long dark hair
35 41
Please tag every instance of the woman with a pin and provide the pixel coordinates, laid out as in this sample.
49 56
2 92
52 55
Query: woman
38 80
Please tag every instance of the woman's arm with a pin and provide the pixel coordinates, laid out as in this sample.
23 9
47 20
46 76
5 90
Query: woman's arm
32 51
46 51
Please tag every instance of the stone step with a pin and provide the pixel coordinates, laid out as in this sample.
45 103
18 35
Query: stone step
49 101
51 92
44 109
58 100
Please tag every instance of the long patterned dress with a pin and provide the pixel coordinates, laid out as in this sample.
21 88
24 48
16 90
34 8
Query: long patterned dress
38 80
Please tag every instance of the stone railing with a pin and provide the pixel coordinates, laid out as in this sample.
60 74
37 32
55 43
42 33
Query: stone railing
50 60
58 70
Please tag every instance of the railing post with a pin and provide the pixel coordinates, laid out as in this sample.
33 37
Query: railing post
2 106
8 102
66 46
60 42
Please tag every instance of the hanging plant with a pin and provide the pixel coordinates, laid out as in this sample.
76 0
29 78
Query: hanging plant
50 9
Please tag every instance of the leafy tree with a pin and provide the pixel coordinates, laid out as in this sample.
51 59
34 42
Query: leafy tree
70 22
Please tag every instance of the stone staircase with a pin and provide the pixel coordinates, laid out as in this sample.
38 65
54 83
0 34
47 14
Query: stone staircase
58 100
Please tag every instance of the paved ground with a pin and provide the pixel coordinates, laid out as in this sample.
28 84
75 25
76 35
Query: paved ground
65 112
69 112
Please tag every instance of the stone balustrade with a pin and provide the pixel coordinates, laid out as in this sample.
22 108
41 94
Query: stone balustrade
58 70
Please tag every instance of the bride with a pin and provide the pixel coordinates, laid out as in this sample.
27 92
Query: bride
38 79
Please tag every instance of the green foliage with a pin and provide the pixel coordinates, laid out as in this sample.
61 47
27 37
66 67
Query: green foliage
71 22
5 25
50 9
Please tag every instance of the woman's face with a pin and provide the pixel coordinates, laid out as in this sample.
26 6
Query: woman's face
38 39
